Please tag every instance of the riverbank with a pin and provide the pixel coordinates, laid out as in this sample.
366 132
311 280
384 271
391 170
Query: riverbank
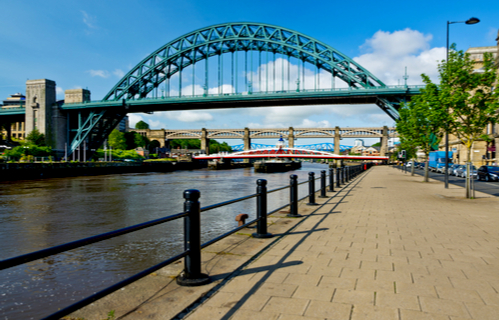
26 171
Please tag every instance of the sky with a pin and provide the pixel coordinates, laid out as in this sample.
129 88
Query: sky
93 44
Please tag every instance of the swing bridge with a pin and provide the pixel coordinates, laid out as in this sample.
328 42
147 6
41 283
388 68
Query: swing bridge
232 65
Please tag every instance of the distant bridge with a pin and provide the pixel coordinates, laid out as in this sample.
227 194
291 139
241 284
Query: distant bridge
317 146
285 153
289 134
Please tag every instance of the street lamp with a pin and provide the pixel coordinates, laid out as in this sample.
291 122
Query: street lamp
446 144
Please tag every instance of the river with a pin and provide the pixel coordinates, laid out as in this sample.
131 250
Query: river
37 214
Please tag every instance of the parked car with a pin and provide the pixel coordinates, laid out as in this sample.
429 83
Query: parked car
488 173
460 166
462 171
451 169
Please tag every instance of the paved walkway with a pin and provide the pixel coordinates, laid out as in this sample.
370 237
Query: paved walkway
386 246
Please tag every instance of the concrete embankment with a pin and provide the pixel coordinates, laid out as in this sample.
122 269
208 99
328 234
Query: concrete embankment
23 171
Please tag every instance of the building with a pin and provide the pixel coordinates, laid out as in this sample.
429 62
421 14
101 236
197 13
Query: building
16 129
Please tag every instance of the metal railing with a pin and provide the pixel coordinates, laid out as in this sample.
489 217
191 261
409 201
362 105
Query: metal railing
192 275
253 93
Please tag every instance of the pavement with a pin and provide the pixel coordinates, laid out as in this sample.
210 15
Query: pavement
384 246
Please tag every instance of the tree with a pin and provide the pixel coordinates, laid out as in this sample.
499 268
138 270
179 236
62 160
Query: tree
140 141
378 144
141 125
36 138
422 121
117 140
470 96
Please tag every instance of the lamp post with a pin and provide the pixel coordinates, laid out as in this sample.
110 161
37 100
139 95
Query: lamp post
446 144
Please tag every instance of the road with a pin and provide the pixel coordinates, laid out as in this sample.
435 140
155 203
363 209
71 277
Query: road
482 186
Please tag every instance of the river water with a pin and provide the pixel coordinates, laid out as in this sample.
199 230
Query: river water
38 214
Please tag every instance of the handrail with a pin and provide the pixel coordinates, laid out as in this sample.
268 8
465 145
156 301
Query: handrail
232 94
25 258
192 214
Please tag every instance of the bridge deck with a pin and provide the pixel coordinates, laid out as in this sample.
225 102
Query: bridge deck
256 99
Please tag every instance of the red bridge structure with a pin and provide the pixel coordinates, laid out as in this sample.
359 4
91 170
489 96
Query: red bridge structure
285 153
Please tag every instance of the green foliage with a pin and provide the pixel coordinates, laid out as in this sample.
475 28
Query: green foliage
378 144
22 152
118 154
36 138
141 125
185 144
470 96
214 145
140 141
116 140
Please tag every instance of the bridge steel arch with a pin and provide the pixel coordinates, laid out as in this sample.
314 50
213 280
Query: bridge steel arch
215 40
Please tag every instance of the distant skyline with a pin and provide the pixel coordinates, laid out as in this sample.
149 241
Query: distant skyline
92 44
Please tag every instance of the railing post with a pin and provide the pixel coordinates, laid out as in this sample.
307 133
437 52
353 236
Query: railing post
312 199
323 184
261 210
294 197
192 276
332 186
343 175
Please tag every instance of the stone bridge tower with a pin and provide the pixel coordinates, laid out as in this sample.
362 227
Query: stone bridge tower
40 97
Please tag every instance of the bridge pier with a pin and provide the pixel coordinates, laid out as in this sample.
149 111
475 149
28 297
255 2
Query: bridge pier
383 141
247 143
336 145
291 138
205 142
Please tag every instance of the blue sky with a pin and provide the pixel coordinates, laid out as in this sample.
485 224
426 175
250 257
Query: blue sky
92 44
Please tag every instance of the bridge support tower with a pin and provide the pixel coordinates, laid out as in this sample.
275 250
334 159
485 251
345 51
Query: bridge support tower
336 145
205 142
247 143
291 138
383 141
43 113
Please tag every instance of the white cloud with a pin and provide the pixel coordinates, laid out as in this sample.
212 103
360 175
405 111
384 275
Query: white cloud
389 54
306 123
59 90
99 73
88 20
119 73
189 116
133 118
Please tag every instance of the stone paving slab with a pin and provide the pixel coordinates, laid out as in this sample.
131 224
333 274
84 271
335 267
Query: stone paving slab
386 246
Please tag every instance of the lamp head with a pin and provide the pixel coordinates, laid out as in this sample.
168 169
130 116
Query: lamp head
472 21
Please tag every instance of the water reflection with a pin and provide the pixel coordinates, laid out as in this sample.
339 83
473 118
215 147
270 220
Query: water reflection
42 213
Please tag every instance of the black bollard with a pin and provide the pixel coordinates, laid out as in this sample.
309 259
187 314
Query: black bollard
261 210
312 199
332 186
338 177
323 184
294 198
192 276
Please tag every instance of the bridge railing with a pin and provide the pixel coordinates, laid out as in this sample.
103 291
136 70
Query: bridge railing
246 93
192 275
